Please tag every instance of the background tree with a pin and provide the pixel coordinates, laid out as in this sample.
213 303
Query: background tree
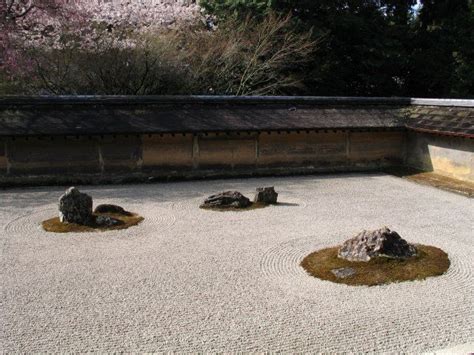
378 47
246 57
251 56
29 23
442 61
13 10
365 48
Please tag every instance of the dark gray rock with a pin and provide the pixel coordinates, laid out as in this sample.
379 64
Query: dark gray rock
343 272
266 195
106 221
227 199
106 208
75 207
378 243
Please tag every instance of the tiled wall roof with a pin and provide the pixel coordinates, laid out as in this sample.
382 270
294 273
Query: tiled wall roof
145 115
457 121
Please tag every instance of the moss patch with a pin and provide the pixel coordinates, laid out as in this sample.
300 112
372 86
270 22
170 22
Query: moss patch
443 182
126 221
436 180
430 261
253 206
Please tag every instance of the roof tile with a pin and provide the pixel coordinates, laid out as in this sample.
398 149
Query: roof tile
106 116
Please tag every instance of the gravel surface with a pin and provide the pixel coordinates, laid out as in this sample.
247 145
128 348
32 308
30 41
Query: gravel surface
188 279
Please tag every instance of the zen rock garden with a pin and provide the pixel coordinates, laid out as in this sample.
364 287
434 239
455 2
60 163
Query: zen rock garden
301 275
234 200
76 215
370 258
376 257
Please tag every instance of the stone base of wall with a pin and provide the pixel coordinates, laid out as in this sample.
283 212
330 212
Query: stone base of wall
152 177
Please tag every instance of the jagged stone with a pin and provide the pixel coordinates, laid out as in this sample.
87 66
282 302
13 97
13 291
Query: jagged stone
108 208
75 207
378 243
227 199
266 195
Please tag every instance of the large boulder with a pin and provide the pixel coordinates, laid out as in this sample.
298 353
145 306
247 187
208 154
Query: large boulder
378 243
75 207
266 195
225 199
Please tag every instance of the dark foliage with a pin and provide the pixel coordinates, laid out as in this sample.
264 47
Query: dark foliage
378 47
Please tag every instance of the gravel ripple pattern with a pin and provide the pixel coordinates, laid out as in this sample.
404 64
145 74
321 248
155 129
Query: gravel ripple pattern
188 280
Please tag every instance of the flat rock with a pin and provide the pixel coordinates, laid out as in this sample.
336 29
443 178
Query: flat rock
227 199
378 243
343 272
266 195
108 208
75 207
106 221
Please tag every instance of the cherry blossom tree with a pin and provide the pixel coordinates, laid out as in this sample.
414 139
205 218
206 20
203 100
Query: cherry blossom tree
29 23
12 10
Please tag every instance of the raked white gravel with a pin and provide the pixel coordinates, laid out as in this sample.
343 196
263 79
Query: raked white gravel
189 280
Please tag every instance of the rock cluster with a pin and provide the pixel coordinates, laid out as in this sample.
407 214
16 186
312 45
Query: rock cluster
378 243
266 195
233 199
76 207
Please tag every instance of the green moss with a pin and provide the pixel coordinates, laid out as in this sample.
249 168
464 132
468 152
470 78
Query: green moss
433 179
126 221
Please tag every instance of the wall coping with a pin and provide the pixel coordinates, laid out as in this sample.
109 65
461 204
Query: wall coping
247 100
443 102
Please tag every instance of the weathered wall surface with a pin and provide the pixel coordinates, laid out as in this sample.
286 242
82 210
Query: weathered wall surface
225 151
188 155
51 156
120 153
383 146
303 149
168 152
3 158
91 158
450 156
